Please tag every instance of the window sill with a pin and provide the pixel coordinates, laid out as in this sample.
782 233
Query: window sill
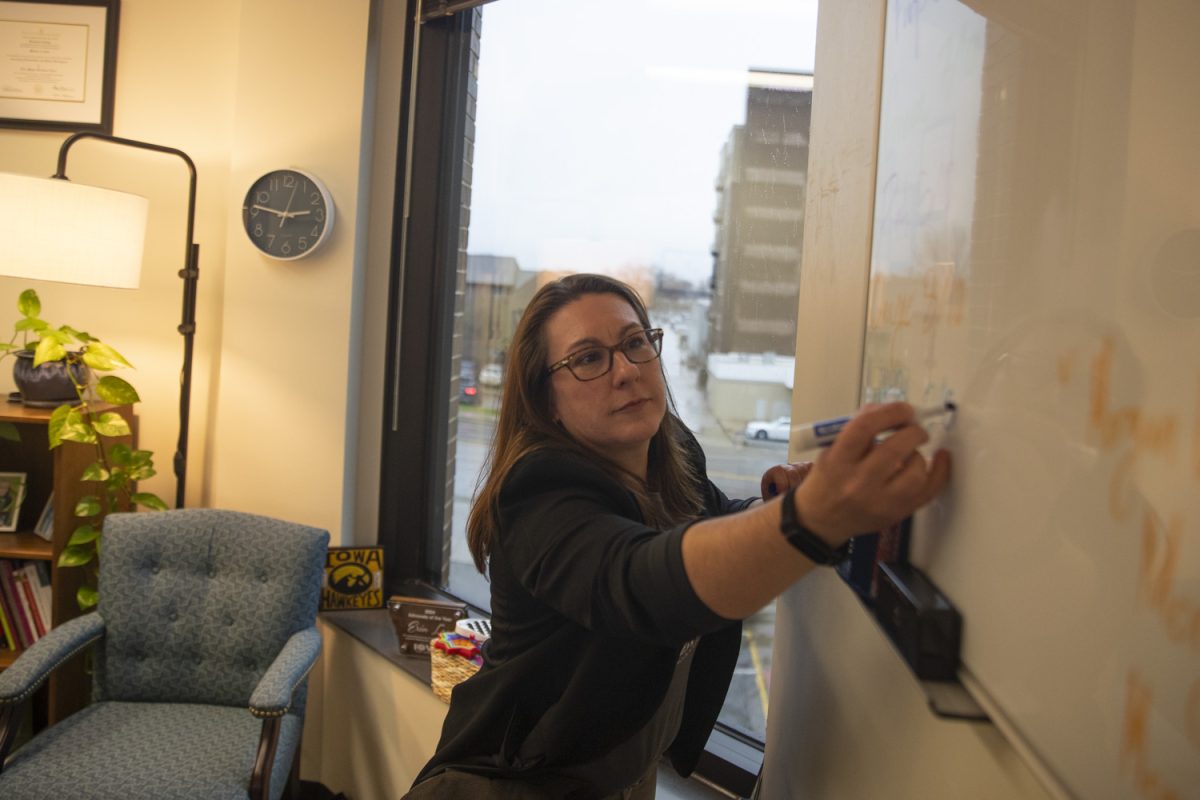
729 763
373 627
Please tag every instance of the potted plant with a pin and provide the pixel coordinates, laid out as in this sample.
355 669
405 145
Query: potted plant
82 418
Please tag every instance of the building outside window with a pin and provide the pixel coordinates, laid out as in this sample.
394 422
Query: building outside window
671 154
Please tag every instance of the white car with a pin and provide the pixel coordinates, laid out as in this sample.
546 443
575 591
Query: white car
491 375
778 429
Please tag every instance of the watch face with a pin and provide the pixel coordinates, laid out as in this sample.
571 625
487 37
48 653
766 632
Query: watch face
287 214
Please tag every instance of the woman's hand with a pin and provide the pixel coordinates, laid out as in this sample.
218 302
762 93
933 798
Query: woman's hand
861 484
781 477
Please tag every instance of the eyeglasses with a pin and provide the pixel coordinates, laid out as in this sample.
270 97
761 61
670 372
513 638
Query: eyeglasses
595 362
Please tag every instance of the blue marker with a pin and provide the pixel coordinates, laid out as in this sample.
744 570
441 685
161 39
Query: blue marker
822 434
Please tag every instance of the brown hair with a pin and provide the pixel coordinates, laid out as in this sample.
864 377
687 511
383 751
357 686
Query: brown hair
526 423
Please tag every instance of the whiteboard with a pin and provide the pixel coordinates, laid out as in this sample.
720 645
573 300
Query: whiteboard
1036 258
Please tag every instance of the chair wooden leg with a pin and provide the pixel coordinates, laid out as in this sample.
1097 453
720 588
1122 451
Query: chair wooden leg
11 715
260 781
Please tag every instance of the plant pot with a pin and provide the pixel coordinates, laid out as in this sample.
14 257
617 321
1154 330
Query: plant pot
46 385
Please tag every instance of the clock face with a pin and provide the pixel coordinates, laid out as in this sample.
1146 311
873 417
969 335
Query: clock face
287 214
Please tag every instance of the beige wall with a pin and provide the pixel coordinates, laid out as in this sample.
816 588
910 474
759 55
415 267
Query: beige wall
370 727
287 382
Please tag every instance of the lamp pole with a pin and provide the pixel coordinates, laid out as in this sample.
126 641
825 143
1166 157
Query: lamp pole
190 275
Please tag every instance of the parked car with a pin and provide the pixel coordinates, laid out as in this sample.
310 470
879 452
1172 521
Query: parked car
778 429
468 390
491 375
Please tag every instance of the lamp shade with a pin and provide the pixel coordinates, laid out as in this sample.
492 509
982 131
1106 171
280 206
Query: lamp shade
55 230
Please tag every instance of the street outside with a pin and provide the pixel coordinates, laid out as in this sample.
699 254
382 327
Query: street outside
734 464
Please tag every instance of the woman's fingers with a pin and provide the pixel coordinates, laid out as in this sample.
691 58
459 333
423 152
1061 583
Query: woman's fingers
781 477
858 437
891 455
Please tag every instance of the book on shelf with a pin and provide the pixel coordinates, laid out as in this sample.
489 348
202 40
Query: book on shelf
8 636
22 632
39 574
32 607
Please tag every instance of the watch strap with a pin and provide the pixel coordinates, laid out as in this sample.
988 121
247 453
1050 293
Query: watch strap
813 547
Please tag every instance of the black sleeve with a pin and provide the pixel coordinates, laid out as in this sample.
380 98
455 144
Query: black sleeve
572 536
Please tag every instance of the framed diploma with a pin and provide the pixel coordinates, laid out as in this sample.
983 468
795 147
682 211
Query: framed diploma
58 64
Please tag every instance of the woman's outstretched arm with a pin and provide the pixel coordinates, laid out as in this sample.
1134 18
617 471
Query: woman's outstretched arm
739 563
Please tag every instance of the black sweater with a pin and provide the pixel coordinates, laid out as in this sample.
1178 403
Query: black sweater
589 609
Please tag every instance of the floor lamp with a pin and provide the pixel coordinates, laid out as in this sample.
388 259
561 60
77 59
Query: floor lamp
55 230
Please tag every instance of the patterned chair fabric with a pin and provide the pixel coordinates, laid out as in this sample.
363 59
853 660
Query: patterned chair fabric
197 606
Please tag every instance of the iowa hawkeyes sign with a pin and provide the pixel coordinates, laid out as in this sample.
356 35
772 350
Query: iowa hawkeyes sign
353 578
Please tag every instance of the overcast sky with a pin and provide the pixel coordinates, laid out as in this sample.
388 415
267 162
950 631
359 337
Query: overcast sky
600 124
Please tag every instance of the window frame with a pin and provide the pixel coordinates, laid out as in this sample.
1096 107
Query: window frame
424 301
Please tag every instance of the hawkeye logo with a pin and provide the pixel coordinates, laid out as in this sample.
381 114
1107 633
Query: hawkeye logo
353 578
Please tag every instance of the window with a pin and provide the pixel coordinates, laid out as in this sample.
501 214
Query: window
660 141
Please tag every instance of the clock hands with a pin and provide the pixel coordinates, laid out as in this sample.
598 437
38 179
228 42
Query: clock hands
285 216
281 214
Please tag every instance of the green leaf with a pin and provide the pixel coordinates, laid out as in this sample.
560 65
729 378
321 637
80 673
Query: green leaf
116 391
142 472
95 472
10 432
28 303
48 349
88 506
78 336
110 423
100 356
78 432
120 454
84 534
149 501
86 597
76 556
58 421
30 324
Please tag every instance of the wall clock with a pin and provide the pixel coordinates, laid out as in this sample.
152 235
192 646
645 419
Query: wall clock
287 214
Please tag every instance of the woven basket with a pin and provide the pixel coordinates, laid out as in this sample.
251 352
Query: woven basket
448 671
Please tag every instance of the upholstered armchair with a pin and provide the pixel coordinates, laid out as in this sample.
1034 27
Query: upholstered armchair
201 647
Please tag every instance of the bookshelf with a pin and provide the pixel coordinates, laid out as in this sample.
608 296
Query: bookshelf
48 471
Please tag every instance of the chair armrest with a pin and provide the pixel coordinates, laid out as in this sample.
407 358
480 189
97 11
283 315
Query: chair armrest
273 695
33 666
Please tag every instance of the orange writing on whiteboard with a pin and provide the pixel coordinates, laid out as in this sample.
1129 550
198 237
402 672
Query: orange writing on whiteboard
1139 697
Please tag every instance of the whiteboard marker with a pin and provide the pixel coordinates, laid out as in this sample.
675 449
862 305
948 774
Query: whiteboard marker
822 434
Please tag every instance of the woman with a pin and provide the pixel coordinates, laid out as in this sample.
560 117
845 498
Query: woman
619 572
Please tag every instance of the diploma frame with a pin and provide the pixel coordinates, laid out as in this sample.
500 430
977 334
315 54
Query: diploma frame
58 63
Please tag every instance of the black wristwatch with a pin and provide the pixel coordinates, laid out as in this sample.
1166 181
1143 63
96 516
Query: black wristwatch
812 546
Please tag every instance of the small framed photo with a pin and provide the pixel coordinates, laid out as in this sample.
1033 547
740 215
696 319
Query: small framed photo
12 493
58 62
45 524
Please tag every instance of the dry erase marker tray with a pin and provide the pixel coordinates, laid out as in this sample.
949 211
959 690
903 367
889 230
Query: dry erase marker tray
921 623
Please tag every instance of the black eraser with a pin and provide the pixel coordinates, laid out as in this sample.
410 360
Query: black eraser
925 627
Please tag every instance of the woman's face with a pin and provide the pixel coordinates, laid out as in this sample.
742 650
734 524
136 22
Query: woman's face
618 413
